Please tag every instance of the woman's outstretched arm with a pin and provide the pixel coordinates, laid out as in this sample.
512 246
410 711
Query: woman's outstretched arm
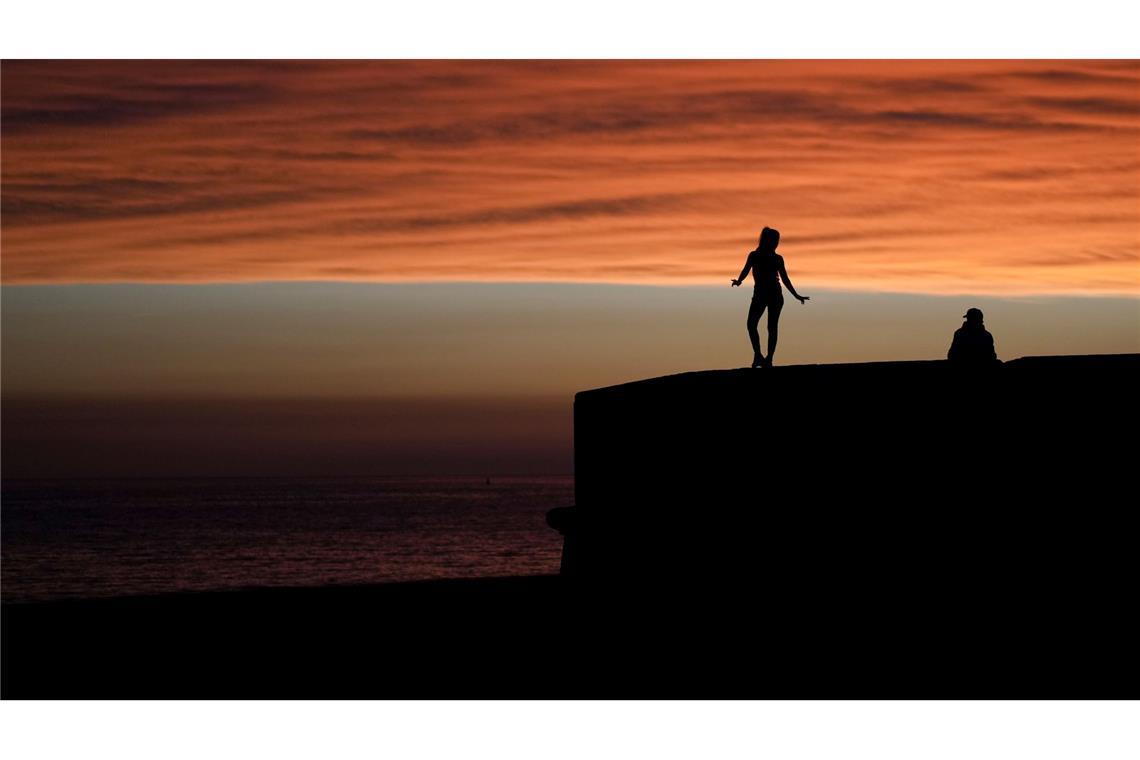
743 272
788 283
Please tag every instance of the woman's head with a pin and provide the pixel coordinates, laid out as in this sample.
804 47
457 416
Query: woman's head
769 239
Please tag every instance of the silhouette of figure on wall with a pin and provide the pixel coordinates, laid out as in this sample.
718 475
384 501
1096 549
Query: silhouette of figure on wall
768 269
972 343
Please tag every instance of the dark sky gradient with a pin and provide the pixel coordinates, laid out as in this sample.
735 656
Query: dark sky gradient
365 379
131 437
449 340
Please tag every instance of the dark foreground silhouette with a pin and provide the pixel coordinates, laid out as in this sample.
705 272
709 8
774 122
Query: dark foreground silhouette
972 342
768 271
903 530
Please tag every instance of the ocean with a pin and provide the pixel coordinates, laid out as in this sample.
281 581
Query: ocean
100 538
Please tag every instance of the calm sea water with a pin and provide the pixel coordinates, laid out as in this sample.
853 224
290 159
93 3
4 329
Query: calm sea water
112 537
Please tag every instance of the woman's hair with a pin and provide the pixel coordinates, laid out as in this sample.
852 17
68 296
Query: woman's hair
769 239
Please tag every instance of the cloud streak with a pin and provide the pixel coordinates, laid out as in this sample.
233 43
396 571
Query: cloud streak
927 176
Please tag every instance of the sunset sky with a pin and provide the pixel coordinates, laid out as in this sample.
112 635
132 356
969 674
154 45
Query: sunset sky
483 233
934 177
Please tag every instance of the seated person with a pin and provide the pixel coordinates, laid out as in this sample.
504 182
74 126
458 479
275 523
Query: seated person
973 343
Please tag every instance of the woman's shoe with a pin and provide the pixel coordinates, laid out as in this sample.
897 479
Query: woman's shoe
758 360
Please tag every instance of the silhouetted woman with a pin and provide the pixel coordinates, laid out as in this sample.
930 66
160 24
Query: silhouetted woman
766 266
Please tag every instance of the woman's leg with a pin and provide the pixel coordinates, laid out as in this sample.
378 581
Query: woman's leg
773 328
755 311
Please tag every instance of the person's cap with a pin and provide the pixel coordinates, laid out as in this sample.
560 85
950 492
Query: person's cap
972 313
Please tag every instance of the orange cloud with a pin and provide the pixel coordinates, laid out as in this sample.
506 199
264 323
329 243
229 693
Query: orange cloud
926 176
